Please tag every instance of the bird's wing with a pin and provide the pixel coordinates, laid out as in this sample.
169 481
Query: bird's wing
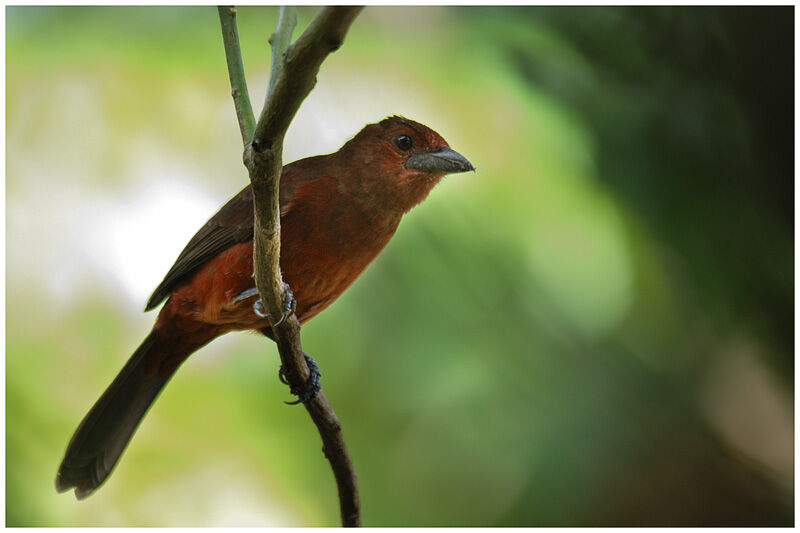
231 225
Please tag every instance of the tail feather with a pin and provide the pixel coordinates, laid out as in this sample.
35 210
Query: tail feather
106 430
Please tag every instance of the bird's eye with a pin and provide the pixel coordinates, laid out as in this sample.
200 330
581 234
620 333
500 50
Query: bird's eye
403 142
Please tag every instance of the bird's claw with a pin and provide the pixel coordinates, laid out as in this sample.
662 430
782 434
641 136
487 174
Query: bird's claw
245 294
312 386
289 306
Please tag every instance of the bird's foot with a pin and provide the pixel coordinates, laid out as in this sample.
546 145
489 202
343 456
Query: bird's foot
312 386
289 306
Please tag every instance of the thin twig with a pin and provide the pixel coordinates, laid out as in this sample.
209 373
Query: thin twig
294 75
233 56
279 41
302 60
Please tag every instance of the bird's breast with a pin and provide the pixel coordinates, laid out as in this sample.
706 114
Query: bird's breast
323 253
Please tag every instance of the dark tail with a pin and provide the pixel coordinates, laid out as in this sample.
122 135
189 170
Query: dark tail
105 431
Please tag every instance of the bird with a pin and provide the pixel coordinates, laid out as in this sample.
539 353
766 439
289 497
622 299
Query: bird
337 212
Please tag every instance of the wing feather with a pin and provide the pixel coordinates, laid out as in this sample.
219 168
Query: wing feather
232 224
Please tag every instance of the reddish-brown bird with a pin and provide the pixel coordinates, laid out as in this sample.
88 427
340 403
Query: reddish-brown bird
338 211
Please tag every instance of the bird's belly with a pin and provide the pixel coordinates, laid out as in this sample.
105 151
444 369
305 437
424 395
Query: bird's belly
316 277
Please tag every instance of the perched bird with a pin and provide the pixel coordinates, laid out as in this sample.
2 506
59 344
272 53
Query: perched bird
338 211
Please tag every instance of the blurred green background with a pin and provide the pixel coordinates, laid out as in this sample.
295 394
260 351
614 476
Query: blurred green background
596 328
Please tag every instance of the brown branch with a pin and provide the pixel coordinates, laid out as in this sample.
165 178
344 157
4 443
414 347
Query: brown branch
292 83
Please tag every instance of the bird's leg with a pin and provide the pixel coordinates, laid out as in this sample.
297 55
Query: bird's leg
313 385
289 304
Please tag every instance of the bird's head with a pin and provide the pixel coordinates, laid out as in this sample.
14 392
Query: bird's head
401 160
